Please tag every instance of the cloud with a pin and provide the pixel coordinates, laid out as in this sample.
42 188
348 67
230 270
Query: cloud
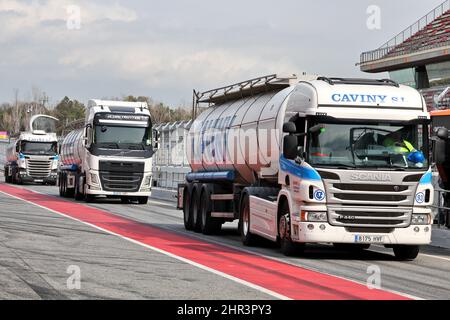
38 19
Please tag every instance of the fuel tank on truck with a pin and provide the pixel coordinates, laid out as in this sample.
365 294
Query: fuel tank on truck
241 135
72 148
11 154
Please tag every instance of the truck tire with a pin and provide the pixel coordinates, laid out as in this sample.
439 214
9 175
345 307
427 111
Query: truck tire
60 184
209 225
89 198
248 239
196 215
142 200
7 176
187 208
406 252
77 194
287 246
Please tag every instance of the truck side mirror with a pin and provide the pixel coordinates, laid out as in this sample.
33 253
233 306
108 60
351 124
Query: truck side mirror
290 145
289 127
439 151
17 148
442 133
87 136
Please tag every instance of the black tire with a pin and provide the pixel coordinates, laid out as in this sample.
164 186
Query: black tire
209 225
142 200
406 252
61 181
77 194
7 176
89 198
248 239
287 246
187 209
196 215
13 176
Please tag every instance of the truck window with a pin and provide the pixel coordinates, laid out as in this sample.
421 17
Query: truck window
369 146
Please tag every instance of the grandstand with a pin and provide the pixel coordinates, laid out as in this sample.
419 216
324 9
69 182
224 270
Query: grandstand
418 56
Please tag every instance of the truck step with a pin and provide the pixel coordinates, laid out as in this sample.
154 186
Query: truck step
228 215
222 196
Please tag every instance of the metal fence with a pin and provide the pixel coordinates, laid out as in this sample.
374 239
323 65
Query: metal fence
443 212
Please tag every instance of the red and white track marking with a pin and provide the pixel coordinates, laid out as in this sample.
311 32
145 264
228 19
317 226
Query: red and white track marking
270 276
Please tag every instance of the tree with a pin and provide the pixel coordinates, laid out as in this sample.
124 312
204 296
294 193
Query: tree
67 111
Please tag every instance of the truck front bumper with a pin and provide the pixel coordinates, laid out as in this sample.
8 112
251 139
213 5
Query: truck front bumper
46 180
97 192
323 232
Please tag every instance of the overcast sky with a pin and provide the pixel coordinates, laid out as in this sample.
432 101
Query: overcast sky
164 49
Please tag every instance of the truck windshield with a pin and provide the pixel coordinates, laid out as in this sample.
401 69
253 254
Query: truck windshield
118 137
43 148
390 146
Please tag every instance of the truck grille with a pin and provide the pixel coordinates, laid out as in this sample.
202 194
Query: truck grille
38 168
116 181
370 205
370 217
370 194
121 176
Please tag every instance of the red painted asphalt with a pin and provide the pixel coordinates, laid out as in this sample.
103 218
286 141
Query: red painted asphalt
285 279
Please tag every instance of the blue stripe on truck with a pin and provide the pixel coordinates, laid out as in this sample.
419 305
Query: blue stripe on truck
301 171
211 176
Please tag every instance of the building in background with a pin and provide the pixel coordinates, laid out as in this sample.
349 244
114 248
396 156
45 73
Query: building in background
419 56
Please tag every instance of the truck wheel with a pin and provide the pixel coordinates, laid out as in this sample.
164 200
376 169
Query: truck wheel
187 209
209 225
89 198
406 252
142 200
61 182
78 195
248 239
287 246
196 215
13 176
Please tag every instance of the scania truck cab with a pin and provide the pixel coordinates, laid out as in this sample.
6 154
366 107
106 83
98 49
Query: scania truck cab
330 160
33 156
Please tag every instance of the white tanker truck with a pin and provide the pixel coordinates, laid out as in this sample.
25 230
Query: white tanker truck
111 155
330 160
33 156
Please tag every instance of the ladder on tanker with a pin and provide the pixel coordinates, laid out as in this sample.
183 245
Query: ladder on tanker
241 90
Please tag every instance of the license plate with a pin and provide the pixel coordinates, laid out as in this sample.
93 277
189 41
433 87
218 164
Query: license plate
38 180
368 238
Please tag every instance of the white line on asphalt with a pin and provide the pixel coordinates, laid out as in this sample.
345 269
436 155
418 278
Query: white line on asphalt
227 276
432 256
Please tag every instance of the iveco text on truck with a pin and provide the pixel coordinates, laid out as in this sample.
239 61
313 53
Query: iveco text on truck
111 155
327 160
33 156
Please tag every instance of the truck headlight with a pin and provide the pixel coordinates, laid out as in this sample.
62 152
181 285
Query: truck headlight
418 219
94 178
312 216
148 181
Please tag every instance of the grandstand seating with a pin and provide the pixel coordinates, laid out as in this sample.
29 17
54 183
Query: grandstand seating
435 34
